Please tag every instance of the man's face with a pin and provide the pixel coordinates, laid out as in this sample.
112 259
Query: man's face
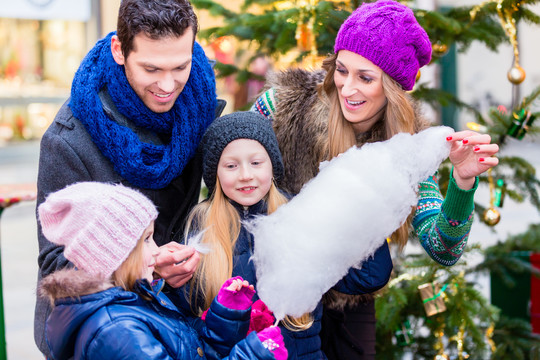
157 70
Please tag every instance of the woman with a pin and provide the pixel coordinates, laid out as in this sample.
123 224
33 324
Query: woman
361 96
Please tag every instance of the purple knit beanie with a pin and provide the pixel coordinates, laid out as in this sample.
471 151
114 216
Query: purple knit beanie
387 33
98 224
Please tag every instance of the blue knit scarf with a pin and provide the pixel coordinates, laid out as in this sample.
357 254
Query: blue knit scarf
144 165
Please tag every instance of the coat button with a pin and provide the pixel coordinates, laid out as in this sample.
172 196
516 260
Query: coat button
200 352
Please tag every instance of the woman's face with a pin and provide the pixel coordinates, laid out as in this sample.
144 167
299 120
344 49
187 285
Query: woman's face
360 91
150 253
245 171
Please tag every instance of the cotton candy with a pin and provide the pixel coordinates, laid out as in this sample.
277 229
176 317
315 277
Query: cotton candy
340 218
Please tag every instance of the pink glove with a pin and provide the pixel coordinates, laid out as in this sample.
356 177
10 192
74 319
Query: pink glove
261 317
236 300
272 339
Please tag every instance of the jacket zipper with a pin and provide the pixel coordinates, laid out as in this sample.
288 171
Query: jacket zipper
246 213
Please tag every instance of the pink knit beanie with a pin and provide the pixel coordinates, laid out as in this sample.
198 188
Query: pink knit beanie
387 33
98 224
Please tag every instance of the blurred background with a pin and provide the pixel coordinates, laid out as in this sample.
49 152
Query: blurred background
43 41
485 76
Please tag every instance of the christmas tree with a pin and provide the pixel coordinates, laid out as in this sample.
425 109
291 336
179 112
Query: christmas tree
427 310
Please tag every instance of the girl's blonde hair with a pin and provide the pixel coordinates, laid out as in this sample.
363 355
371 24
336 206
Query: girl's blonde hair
398 116
222 223
131 269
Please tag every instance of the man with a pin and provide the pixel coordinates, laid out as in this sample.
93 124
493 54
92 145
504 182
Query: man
140 102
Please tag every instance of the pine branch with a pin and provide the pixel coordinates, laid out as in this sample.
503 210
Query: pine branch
439 98
529 100
214 8
514 339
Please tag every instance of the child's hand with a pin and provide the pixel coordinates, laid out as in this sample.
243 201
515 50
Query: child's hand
236 293
238 283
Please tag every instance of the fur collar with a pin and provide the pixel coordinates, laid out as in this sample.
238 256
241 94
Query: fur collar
71 283
300 124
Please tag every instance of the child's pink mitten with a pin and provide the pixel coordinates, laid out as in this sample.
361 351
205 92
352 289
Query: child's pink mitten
261 317
236 300
273 340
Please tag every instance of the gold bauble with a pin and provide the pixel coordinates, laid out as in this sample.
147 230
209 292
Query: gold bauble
439 49
492 217
516 75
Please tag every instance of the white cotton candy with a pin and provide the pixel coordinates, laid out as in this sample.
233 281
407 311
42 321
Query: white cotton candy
194 241
340 218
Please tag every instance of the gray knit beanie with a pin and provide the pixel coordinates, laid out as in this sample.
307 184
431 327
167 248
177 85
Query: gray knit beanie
238 125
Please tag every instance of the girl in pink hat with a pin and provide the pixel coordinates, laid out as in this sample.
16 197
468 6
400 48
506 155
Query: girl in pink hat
108 306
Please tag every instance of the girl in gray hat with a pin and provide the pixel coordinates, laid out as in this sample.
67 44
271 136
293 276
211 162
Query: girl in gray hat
242 168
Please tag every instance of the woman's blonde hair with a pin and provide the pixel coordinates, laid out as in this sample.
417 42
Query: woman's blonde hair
398 116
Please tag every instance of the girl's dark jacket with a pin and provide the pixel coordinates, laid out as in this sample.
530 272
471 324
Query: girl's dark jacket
306 344
92 319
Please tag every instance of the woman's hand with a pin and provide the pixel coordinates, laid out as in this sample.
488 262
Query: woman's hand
471 154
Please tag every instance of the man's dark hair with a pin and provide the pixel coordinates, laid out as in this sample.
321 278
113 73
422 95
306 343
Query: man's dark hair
156 18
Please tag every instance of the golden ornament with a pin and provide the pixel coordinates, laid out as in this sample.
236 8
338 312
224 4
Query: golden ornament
439 49
492 217
489 336
516 75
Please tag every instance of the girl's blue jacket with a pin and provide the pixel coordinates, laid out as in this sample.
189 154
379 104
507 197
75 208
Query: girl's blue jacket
91 320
